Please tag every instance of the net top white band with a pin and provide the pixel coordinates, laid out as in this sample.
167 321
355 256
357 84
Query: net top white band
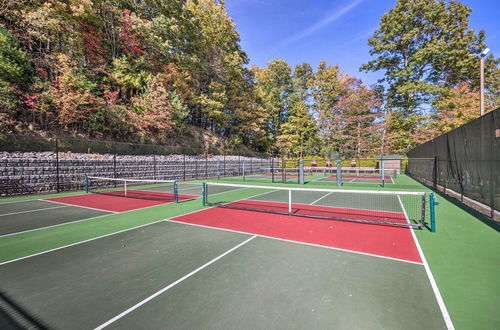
369 192
131 180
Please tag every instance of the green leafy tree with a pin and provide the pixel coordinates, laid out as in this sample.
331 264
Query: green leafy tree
359 108
423 47
299 134
218 66
326 93
15 76
274 88
249 123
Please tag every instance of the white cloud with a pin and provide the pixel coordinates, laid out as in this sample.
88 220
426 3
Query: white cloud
318 26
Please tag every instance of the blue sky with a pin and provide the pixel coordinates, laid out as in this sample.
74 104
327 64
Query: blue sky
333 30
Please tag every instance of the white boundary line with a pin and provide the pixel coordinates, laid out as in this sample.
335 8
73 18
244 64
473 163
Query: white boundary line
51 226
77 243
43 209
94 238
22 201
99 216
171 285
55 195
320 198
291 241
84 207
437 294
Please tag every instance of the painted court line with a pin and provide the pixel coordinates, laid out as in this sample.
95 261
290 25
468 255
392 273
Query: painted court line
290 241
36 210
85 207
437 293
320 198
22 201
92 218
41 199
51 226
171 285
94 238
76 243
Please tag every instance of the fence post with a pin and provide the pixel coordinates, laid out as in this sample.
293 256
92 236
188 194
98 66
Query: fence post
154 166
184 168
196 169
435 173
224 165
114 168
272 167
206 166
57 166
492 179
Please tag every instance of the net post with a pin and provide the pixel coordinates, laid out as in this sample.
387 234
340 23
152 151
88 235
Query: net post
433 202
86 182
272 169
382 167
176 192
422 217
125 187
301 172
339 172
289 201
204 194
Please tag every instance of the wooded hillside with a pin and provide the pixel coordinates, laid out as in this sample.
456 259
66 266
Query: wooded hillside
150 70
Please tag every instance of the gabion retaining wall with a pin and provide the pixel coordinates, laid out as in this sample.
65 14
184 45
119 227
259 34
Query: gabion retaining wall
24 173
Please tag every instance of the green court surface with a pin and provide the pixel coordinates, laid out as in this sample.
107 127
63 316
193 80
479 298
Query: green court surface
76 269
29 215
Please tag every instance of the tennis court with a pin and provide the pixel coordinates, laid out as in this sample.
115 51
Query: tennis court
227 266
22 216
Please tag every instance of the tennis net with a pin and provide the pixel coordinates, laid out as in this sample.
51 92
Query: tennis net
133 188
378 207
273 174
362 172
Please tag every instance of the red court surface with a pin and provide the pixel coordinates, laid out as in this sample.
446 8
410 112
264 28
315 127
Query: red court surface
387 241
113 203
